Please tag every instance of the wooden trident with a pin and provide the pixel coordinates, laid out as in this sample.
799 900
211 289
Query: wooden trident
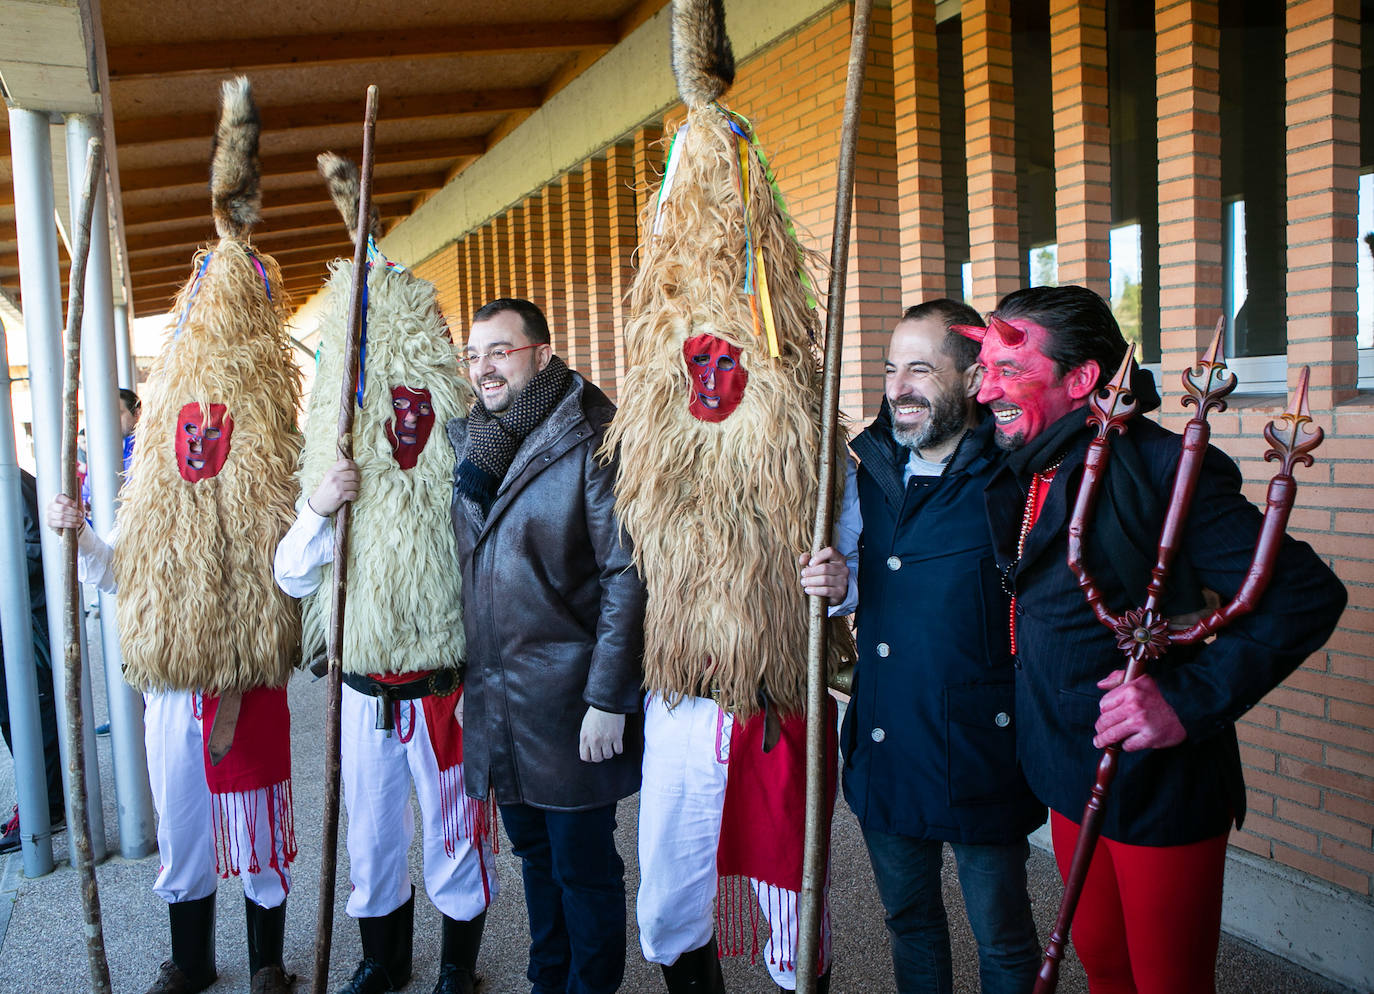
1144 634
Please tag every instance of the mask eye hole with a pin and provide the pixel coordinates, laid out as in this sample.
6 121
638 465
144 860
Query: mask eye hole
425 409
701 359
212 433
725 364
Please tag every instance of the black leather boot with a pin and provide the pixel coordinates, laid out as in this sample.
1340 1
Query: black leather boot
192 966
696 971
266 934
386 952
458 955
822 984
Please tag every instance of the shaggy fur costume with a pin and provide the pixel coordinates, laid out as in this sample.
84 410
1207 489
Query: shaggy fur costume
198 608
719 512
404 598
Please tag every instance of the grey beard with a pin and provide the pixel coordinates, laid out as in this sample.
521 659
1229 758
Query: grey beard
946 420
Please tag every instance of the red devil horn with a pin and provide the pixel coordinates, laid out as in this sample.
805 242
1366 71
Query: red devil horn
973 331
1012 336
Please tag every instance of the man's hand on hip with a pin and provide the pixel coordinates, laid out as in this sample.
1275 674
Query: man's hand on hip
1136 715
825 574
603 736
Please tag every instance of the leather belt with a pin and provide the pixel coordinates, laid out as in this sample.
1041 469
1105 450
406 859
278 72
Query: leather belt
436 683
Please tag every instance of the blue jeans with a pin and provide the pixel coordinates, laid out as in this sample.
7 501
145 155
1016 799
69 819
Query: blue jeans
575 896
993 879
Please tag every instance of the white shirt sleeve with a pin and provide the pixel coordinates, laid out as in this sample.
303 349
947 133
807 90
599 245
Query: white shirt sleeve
303 552
95 558
848 527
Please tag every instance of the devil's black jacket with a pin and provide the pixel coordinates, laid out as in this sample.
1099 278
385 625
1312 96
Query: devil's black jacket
1195 790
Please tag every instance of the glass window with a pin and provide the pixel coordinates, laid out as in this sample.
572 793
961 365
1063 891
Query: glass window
1125 281
1364 335
1043 264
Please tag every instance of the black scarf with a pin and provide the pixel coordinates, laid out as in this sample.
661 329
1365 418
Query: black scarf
1125 525
493 439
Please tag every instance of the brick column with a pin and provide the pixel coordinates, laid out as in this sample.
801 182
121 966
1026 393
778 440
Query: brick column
648 160
920 187
874 291
472 276
445 271
1187 88
1323 125
555 276
486 262
500 255
515 251
994 236
575 275
536 286
622 198
600 302
1082 142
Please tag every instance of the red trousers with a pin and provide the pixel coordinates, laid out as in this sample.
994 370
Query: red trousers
1150 916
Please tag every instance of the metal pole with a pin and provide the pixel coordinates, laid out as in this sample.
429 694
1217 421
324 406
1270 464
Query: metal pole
816 857
124 351
105 462
39 283
21 677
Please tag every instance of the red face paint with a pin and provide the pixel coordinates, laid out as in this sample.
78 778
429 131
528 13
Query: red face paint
1021 384
412 421
716 376
202 442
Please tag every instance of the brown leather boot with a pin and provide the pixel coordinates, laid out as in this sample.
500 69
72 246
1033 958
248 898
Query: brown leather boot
192 966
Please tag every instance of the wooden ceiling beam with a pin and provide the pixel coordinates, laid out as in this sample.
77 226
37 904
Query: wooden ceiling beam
226 56
174 261
311 194
198 173
289 117
187 231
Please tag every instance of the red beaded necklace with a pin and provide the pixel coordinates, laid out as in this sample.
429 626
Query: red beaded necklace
1039 481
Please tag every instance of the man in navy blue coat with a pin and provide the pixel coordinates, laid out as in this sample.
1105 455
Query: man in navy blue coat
1149 917
929 739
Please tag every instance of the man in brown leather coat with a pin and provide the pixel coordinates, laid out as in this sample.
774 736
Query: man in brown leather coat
554 612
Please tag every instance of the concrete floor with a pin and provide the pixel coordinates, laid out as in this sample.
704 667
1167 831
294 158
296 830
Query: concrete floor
41 946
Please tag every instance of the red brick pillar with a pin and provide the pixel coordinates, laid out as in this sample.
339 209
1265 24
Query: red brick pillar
874 291
1323 117
472 276
1082 142
920 188
555 275
536 283
500 255
622 204
515 251
486 262
600 306
445 272
1190 226
574 314
649 154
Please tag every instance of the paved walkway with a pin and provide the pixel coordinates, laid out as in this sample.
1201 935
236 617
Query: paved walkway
41 948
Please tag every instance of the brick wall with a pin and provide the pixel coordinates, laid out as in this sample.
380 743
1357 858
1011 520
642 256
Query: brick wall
1308 748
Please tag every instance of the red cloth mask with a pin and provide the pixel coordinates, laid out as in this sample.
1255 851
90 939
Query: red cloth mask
1021 384
202 442
409 428
717 378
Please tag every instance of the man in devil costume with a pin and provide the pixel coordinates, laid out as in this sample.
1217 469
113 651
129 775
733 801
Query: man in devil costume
1150 913
205 633
403 630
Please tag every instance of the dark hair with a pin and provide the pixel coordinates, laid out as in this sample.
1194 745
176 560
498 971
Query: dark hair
536 325
962 349
1080 323
130 400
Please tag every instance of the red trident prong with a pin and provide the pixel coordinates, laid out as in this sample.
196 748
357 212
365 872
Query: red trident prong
1301 435
1210 381
1114 404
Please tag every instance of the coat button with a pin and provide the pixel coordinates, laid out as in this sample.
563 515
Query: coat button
884 649
877 735
893 563
1002 720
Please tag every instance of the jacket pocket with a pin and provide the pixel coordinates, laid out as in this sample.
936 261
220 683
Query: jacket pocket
1079 710
980 743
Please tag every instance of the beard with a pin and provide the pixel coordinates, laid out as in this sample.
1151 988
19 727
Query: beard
944 419
1009 443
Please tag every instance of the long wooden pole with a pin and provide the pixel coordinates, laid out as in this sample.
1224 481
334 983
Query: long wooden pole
814 863
71 606
329 837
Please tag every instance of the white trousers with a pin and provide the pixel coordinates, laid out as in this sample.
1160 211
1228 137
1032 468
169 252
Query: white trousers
686 762
186 812
377 772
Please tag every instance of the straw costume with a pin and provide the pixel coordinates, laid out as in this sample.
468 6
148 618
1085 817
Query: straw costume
718 439
206 634
403 630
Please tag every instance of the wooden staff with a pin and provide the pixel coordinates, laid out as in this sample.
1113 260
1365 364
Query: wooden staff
817 755
71 610
329 838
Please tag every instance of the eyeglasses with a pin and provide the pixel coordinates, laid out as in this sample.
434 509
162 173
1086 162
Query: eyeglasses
495 355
